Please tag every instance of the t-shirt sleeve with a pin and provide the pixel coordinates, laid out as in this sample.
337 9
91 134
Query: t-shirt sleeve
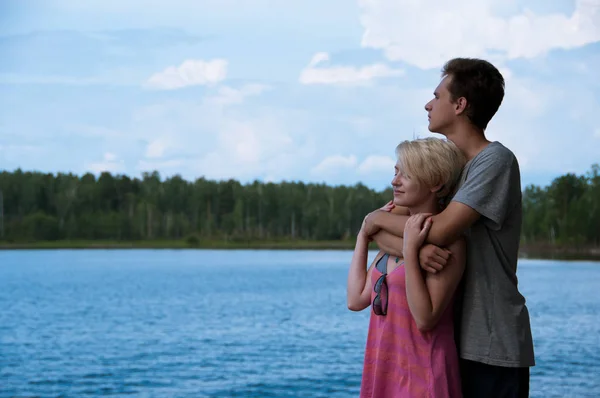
492 185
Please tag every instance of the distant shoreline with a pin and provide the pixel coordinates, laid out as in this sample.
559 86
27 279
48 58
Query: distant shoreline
527 251
182 244
547 251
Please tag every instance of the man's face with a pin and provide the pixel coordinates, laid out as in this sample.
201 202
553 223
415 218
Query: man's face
441 111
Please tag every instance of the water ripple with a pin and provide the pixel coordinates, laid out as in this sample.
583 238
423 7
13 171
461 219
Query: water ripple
237 324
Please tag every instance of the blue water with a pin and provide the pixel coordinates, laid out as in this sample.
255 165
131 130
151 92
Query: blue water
238 324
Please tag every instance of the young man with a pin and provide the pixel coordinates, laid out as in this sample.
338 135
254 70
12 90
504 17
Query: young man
495 341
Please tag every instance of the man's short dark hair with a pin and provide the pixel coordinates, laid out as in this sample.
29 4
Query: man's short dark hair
481 83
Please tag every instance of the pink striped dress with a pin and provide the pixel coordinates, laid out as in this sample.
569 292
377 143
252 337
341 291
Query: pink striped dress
401 361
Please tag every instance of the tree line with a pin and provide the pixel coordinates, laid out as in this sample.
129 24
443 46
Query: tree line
567 212
38 206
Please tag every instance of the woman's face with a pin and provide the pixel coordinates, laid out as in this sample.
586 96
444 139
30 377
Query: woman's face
408 192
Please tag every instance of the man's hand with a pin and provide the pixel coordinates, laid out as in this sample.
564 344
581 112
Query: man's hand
432 258
389 206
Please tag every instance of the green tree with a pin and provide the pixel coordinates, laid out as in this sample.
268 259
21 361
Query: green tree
42 206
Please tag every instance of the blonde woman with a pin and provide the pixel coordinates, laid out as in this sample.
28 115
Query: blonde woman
410 350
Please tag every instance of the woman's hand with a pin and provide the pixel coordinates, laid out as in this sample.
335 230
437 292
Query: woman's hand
416 230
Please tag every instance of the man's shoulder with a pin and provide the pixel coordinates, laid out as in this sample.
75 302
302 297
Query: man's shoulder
498 151
490 183
495 157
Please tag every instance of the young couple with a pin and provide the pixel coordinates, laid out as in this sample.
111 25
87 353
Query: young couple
447 317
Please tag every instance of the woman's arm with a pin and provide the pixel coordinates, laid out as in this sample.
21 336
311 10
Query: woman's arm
387 241
359 279
428 295
447 225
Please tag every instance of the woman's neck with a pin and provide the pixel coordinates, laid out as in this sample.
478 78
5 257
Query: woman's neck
431 206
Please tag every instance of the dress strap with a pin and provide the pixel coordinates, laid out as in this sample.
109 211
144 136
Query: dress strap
382 264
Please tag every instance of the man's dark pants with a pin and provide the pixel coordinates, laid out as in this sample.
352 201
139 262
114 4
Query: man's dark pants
480 380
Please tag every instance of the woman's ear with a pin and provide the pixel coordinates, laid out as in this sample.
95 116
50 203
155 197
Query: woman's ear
437 188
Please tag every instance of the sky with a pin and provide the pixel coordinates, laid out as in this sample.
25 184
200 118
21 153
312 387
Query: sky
294 90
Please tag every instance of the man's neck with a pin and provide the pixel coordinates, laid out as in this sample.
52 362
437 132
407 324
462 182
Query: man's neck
468 139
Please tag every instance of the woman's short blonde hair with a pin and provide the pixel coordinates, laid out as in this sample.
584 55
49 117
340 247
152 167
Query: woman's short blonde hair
431 161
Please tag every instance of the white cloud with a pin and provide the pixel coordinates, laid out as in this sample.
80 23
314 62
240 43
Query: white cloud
377 164
343 75
242 140
13 78
121 77
110 157
220 140
156 148
529 96
335 164
145 165
427 33
189 73
318 58
109 163
362 125
248 147
217 140
230 96
94 131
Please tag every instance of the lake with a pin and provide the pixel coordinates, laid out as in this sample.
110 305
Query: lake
207 323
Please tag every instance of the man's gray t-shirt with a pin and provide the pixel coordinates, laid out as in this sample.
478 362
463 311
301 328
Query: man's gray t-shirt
494 327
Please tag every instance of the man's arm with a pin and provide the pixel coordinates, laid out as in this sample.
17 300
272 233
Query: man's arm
431 257
445 229
491 189
450 224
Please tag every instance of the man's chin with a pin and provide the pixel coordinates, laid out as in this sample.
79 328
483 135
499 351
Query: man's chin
434 129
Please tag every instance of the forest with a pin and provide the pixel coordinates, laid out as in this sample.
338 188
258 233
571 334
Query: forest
42 207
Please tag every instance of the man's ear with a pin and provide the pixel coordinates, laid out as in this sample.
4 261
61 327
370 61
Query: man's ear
460 105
